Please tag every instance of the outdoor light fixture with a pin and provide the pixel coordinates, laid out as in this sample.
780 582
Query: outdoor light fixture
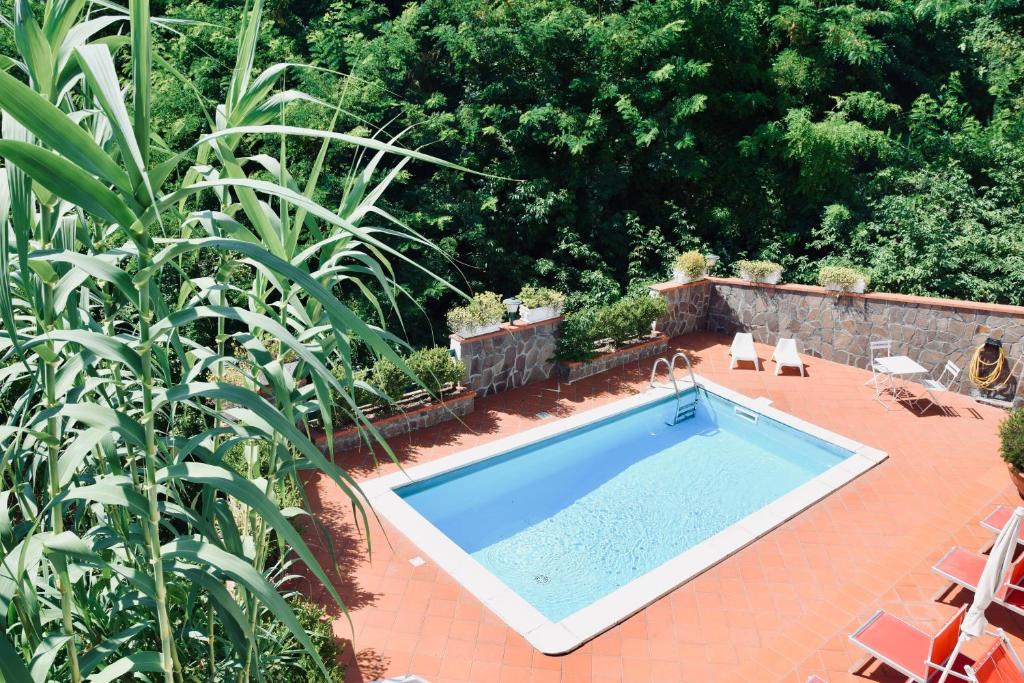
512 305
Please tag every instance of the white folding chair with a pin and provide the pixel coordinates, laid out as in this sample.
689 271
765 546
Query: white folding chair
881 348
933 388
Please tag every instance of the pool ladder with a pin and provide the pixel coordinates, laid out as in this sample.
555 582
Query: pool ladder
684 409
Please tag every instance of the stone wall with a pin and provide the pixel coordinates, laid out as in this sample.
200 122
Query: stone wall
687 306
572 371
511 357
457 406
838 328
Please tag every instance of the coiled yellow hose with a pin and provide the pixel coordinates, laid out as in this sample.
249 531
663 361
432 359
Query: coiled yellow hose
980 374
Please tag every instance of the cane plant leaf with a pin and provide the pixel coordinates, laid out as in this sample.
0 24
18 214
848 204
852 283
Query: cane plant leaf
205 554
67 181
42 658
32 44
58 131
136 662
108 646
12 669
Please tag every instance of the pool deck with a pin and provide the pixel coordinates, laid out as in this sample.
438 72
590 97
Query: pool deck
778 610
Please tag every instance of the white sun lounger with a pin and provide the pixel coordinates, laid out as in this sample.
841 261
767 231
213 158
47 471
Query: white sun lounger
786 355
743 349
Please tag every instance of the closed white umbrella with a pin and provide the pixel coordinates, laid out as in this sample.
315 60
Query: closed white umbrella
998 562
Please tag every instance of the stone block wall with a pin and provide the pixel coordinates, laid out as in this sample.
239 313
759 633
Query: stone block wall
454 407
826 325
687 306
511 357
573 371
838 328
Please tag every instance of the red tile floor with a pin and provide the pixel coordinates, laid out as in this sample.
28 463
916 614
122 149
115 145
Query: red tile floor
778 610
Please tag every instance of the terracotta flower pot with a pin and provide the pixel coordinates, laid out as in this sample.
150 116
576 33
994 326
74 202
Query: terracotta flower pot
1017 478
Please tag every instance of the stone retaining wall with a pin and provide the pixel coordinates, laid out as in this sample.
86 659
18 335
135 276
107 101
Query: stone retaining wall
572 371
687 306
826 325
511 357
458 406
838 328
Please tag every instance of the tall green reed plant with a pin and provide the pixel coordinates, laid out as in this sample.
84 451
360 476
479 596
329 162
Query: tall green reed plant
127 547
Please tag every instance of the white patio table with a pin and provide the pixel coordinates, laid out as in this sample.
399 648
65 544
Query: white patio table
901 368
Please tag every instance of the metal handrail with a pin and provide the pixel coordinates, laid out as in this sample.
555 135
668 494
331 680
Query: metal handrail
671 375
672 367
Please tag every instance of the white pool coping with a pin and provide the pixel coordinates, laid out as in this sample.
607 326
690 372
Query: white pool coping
566 635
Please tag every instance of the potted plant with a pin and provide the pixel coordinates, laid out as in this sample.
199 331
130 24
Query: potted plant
481 315
689 267
843 279
767 272
1011 447
540 303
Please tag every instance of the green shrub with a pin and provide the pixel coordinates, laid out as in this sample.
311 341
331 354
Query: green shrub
692 264
539 297
292 664
1011 439
576 336
391 381
482 310
841 276
627 319
436 368
758 271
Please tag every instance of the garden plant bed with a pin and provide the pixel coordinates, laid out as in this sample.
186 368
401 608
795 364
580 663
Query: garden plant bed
572 371
413 413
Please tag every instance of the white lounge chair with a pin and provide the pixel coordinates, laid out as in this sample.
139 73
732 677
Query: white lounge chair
933 388
786 355
743 349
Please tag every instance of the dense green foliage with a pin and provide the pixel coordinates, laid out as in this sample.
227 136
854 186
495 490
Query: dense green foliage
167 319
885 133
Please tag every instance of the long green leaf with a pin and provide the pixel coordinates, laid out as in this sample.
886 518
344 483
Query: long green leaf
67 181
57 130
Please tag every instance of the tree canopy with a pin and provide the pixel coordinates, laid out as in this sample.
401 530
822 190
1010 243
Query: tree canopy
881 133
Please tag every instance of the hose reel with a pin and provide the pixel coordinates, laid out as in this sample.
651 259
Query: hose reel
987 365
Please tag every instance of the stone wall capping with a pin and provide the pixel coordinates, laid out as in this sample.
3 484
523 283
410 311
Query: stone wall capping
672 286
506 328
906 299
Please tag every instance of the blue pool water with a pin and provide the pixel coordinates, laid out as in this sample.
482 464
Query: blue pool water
567 521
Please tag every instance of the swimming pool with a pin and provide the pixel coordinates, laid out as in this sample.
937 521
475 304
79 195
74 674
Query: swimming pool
568 529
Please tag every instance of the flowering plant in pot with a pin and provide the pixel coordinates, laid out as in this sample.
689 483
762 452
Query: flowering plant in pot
481 315
843 279
1011 447
767 272
540 303
689 267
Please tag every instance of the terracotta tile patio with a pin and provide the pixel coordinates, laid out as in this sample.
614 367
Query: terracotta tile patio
779 610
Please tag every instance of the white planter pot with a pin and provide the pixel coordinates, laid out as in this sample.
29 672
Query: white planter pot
770 279
539 314
684 279
477 330
857 288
